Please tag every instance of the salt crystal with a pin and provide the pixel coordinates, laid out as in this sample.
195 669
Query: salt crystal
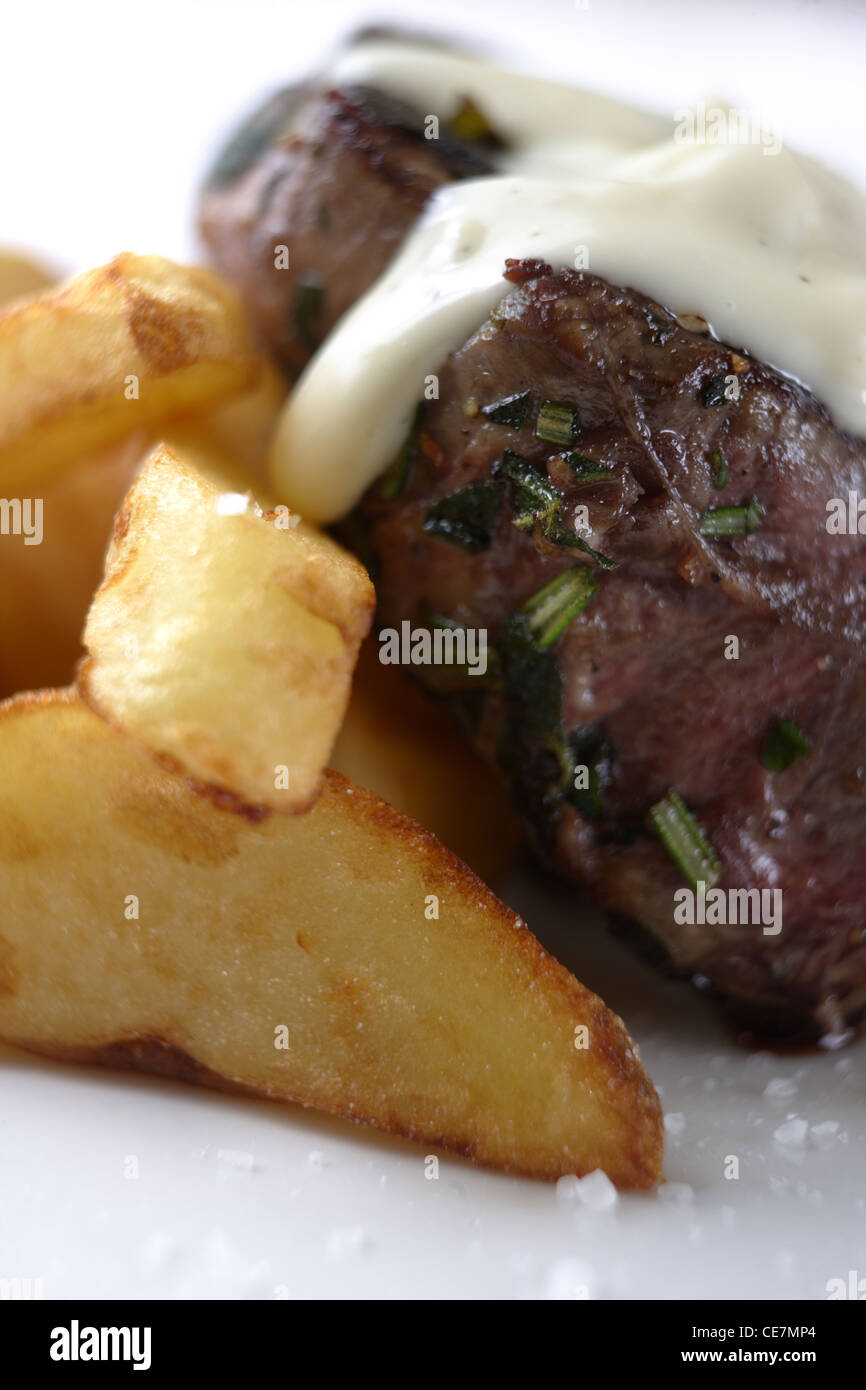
237 1158
831 1042
596 1191
675 1123
679 1192
781 1088
567 1188
792 1134
315 1158
825 1133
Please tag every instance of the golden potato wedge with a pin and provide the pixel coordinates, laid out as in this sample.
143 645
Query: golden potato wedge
223 642
135 342
21 275
239 431
298 957
46 589
401 744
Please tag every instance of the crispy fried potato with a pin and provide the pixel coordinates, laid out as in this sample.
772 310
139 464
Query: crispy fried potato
399 743
46 589
221 641
117 349
20 275
239 432
142 925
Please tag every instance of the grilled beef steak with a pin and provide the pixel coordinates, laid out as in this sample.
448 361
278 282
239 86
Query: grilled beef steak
701 651
335 179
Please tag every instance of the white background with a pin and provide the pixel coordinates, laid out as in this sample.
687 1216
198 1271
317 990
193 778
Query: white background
109 112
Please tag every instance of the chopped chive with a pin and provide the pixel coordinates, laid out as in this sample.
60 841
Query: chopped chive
721 472
396 476
714 389
549 611
784 744
684 840
307 310
586 470
555 423
465 518
733 521
511 411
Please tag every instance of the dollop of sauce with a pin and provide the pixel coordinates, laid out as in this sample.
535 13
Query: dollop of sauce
769 248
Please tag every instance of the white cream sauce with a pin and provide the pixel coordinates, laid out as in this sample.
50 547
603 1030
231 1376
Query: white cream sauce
769 248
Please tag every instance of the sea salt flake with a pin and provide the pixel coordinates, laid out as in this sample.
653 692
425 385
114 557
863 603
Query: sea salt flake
792 1134
678 1192
781 1088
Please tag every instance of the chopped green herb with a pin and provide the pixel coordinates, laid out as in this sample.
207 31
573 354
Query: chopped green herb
466 517
721 472
713 391
562 535
588 749
549 611
536 502
533 496
533 687
470 122
784 744
512 411
308 307
396 476
684 840
555 423
490 678
586 470
733 521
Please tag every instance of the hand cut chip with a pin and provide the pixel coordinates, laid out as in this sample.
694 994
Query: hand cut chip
299 958
397 742
114 350
46 588
222 637
22 275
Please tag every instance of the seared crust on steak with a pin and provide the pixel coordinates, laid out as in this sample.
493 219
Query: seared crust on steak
336 178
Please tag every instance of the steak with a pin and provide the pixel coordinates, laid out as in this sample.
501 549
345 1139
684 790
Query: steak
699 657
336 179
